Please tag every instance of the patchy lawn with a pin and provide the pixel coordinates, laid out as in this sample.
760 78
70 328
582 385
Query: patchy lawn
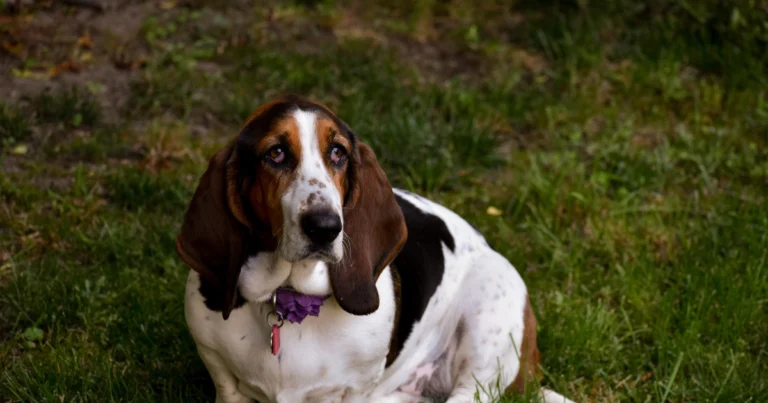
617 154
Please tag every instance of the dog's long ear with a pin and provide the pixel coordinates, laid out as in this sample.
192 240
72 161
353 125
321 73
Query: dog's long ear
214 236
375 232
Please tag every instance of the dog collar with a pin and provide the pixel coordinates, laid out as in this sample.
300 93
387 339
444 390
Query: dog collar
294 306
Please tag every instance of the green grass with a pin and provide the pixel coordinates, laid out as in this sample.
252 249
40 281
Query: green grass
72 106
630 166
13 126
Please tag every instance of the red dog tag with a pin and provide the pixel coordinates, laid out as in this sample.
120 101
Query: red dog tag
274 341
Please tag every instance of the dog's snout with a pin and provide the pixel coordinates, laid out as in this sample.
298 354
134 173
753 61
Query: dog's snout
321 227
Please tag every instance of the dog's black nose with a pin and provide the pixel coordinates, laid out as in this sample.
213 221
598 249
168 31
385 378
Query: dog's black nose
321 227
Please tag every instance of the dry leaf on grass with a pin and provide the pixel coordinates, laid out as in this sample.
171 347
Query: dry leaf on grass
493 211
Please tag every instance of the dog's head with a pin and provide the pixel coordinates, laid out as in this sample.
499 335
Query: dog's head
295 181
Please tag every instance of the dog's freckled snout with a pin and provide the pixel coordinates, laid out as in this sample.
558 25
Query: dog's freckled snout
321 227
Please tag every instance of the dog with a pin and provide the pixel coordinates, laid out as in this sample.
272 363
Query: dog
313 280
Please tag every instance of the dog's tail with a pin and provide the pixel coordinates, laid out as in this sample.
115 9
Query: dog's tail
550 396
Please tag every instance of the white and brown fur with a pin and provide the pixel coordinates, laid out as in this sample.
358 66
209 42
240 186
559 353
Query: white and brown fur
421 308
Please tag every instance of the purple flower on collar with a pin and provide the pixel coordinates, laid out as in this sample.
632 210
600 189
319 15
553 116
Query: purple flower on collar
294 306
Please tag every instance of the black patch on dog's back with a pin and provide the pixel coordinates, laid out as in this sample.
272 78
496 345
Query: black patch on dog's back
420 265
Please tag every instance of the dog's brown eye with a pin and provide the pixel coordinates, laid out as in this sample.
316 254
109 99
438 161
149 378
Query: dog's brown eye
276 155
338 154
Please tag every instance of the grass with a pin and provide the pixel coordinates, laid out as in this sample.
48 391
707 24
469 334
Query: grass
624 145
13 126
71 106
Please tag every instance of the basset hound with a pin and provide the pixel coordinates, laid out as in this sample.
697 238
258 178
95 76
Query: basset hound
314 281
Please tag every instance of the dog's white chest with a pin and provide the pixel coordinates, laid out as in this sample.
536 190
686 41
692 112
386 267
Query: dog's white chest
333 355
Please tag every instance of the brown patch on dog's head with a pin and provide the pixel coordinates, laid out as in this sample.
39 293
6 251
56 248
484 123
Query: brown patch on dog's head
272 180
333 136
